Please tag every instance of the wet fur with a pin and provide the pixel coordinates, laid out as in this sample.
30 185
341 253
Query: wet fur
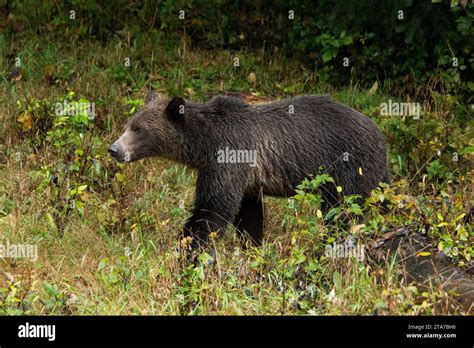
290 147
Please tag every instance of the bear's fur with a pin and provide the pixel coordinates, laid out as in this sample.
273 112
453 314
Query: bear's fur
292 140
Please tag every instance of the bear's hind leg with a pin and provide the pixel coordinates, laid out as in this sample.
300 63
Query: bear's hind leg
249 220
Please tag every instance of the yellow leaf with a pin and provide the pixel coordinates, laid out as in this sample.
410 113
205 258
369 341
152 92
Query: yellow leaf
360 171
49 70
120 177
252 78
424 253
155 77
339 189
374 88
32 158
26 121
196 22
440 217
356 228
189 91
164 222
319 214
460 216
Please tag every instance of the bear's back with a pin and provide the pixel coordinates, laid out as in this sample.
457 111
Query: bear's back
299 135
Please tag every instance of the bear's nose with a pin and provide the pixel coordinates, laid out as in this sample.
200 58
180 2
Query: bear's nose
113 150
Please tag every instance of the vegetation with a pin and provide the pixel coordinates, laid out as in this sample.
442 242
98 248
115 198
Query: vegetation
106 232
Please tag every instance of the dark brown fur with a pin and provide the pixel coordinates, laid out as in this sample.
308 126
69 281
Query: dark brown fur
289 146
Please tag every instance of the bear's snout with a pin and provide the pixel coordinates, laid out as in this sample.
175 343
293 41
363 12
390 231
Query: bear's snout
114 151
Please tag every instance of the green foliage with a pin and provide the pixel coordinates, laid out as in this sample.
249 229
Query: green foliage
402 42
438 137
15 300
81 166
54 300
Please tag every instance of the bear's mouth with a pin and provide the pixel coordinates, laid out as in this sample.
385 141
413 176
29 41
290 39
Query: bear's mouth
117 158
117 153
121 157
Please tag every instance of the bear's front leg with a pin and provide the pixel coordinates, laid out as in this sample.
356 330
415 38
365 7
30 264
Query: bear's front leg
219 192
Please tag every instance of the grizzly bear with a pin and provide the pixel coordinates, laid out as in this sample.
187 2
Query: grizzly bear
243 152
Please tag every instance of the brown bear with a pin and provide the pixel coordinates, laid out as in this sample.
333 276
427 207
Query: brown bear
243 152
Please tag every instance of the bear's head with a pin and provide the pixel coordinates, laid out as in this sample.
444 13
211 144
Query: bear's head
155 130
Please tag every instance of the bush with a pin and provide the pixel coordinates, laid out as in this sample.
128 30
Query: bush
401 42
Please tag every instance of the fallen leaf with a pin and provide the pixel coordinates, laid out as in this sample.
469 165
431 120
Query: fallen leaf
164 222
26 121
32 158
356 228
155 77
189 91
252 78
49 70
196 22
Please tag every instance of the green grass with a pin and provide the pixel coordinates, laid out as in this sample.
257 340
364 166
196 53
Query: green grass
118 255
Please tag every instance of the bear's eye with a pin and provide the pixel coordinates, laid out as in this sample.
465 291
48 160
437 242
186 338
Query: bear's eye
136 128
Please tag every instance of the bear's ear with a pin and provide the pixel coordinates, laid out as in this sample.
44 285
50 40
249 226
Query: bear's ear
176 109
151 96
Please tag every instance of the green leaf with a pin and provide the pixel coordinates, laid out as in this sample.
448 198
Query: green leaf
205 258
327 56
